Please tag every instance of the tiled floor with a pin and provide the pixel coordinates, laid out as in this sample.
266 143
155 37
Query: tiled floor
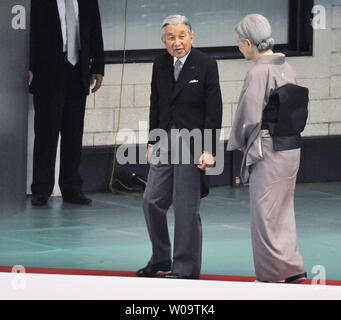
111 233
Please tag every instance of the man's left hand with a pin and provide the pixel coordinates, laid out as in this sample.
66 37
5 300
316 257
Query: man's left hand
206 161
97 79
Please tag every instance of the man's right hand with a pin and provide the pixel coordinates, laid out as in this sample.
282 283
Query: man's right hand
30 77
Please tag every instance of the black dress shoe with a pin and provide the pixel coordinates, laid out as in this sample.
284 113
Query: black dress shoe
38 200
78 198
151 270
173 275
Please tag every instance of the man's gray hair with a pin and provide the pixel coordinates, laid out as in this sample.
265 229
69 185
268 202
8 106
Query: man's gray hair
175 19
257 29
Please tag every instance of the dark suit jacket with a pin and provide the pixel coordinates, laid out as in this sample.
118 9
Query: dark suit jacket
46 44
196 105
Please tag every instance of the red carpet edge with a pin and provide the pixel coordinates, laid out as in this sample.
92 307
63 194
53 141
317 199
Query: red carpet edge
112 273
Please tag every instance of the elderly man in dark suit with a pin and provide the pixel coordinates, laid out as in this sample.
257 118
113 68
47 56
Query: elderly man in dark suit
185 96
66 56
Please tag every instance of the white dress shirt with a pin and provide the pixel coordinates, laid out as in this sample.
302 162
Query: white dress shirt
62 17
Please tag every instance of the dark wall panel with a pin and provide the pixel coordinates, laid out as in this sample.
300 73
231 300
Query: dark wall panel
320 162
321 159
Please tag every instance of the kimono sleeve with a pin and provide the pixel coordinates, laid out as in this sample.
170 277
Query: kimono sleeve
248 117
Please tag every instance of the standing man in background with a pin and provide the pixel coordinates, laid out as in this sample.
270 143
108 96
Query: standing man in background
186 96
66 57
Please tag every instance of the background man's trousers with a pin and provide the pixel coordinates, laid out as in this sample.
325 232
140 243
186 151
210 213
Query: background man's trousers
59 111
177 184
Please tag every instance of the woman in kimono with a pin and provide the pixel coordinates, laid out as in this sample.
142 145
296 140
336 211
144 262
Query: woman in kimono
270 174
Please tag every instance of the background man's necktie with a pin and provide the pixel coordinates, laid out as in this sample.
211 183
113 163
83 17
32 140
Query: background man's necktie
71 31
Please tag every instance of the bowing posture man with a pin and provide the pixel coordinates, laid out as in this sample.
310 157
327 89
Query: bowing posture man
185 96
66 55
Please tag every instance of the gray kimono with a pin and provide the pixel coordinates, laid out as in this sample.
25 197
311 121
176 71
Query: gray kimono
271 175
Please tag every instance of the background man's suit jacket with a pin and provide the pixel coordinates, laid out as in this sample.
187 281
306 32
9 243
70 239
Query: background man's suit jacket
46 44
193 102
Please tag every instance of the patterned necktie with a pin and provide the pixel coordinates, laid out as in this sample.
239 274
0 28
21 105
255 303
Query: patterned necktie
177 69
71 31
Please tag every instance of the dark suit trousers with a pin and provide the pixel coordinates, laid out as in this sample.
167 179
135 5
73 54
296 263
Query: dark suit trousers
177 184
59 111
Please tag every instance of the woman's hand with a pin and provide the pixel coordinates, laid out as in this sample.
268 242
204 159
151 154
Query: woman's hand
149 153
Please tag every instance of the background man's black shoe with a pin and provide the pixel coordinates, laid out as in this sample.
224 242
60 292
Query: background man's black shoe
78 198
151 270
173 275
38 200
